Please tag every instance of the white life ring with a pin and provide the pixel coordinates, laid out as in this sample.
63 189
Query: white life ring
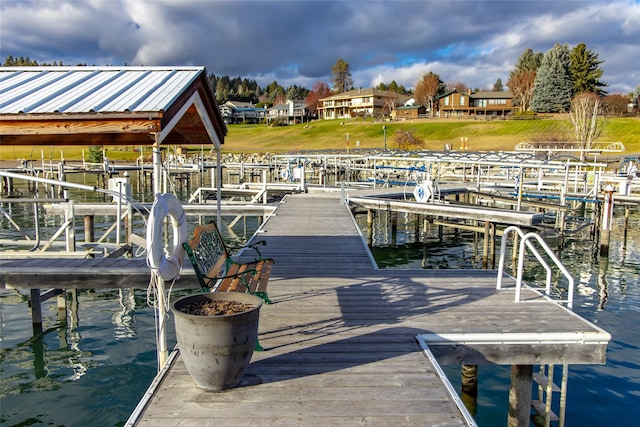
167 265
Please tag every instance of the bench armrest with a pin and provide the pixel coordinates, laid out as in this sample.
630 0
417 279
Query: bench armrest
253 246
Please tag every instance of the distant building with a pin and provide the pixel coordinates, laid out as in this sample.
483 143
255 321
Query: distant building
458 104
408 112
360 103
242 112
293 111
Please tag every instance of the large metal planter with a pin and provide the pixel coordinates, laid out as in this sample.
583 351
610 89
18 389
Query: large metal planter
217 350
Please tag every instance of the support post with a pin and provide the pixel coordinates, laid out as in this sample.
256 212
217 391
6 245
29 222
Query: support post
520 396
70 231
370 216
157 167
265 198
89 229
163 354
36 311
394 228
607 219
485 246
626 226
219 187
469 393
493 245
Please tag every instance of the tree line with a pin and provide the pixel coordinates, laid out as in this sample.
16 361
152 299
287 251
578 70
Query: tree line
543 82
539 82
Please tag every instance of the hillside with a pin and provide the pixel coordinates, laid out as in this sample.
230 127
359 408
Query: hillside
495 135
482 135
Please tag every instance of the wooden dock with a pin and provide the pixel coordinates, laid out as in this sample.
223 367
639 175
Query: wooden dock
68 273
341 342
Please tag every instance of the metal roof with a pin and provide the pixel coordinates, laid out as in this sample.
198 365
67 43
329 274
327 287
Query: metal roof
107 106
32 90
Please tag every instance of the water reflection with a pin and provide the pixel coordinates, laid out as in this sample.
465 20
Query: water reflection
75 356
124 318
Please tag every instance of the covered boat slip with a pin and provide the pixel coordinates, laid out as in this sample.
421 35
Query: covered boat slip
343 339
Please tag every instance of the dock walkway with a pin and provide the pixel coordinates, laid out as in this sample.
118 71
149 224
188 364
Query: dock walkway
340 338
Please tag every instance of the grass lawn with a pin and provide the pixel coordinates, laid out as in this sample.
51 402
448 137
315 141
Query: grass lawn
482 135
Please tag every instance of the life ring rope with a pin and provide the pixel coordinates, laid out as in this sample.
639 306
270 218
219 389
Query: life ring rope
165 264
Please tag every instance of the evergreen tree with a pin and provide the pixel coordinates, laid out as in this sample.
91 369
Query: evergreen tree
497 86
223 89
529 60
341 78
585 71
273 94
296 92
552 87
10 61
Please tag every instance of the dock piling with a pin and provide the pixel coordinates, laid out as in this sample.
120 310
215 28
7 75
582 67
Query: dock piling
520 396
607 219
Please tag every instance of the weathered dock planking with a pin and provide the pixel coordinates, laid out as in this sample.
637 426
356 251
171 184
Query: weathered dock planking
340 338
67 273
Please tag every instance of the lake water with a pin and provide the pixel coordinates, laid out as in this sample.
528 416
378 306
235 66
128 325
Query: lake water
96 366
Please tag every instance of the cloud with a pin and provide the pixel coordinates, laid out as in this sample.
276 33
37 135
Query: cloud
297 42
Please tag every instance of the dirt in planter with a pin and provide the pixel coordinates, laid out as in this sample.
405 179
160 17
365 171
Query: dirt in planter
215 308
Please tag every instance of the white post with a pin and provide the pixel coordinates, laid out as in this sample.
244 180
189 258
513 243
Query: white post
162 332
264 186
119 213
157 168
219 187
520 182
607 219
70 231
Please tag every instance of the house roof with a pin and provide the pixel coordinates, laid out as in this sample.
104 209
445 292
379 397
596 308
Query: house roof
492 95
107 106
297 103
480 94
239 104
355 93
410 107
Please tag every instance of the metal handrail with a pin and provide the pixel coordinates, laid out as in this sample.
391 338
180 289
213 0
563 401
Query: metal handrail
520 271
503 246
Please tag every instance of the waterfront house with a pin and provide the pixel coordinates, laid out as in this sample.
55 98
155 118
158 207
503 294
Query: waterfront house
292 111
242 112
360 103
457 103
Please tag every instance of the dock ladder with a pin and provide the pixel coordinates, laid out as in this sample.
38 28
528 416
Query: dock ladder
525 242
546 389
544 378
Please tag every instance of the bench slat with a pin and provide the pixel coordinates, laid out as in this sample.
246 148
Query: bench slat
216 269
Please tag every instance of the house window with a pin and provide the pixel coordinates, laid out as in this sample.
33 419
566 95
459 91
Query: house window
462 100
481 103
446 101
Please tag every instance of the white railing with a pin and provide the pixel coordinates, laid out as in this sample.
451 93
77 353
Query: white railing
525 242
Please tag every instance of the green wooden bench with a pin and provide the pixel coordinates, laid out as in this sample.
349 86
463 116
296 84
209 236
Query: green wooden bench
217 271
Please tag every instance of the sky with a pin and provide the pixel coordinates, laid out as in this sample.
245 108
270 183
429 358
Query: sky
297 42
